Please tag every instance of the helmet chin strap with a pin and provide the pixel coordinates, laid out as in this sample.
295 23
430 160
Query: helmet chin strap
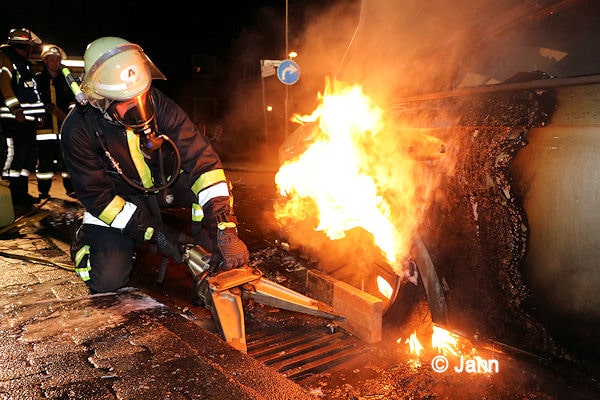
107 117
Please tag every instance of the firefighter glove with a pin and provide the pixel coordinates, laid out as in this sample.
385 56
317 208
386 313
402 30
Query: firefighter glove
142 224
234 251
170 242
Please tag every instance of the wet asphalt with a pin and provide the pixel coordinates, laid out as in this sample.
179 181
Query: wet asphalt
57 341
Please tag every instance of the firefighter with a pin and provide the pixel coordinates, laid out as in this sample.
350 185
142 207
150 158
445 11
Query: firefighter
132 151
59 100
21 113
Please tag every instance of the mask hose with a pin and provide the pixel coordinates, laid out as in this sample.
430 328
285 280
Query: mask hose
151 143
167 184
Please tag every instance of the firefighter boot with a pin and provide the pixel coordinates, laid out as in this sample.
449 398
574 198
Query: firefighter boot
28 199
18 191
13 185
44 186
68 185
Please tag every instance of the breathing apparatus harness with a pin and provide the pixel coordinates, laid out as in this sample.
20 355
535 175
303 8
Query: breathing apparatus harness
149 143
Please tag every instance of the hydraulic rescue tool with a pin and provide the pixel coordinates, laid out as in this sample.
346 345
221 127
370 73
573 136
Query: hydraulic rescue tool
222 294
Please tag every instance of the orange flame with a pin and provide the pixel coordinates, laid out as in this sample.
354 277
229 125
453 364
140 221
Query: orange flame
445 342
353 174
415 347
384 287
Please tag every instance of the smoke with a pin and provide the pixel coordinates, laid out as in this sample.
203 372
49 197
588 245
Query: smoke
408 47
396 49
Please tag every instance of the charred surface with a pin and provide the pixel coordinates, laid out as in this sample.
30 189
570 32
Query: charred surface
476 229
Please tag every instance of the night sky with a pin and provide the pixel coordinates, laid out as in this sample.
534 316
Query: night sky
237 35
403 47
164 32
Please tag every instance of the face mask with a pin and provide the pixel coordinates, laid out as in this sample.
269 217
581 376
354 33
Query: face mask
134 113
138 115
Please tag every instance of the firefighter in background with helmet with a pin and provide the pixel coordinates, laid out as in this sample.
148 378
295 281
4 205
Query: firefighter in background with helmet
115 149
21 113
59 100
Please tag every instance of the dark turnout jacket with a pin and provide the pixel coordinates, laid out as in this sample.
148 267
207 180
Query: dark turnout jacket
105 192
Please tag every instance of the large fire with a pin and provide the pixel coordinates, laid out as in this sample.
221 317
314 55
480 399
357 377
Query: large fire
356 172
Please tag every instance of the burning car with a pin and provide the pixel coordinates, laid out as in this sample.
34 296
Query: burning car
456 149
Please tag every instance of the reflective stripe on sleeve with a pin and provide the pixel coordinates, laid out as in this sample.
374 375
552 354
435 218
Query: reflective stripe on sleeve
197 212
218 190
208 179
119 222
11 102
148 233
122 218
113 209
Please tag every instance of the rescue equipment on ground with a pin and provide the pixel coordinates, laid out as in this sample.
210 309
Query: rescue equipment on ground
222 294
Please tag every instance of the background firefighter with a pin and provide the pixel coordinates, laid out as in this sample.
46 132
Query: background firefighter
21 112
58 99
120 150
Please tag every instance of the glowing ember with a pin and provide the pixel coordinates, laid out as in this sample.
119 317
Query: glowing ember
353 174
446 342
415 346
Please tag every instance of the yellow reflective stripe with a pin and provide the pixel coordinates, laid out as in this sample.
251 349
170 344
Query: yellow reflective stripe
142 168
197 212
148 233
207 179
11 102
44 175
53 100
83 271
82 252
111 211
224 225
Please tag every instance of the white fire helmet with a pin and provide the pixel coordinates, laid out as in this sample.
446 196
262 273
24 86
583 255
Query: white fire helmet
52 50
23 36
116 70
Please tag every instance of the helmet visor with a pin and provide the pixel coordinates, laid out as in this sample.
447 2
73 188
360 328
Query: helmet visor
134 113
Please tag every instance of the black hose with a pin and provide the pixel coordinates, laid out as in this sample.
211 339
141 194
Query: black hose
38 260
175 174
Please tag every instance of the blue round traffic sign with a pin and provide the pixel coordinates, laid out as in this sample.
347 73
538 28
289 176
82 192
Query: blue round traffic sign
288 72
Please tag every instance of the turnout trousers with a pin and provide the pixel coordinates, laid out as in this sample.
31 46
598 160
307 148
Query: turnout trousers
103 257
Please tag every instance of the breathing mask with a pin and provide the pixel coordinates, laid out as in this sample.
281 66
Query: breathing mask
138 115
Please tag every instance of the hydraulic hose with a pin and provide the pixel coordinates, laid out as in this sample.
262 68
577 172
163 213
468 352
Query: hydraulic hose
38 260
